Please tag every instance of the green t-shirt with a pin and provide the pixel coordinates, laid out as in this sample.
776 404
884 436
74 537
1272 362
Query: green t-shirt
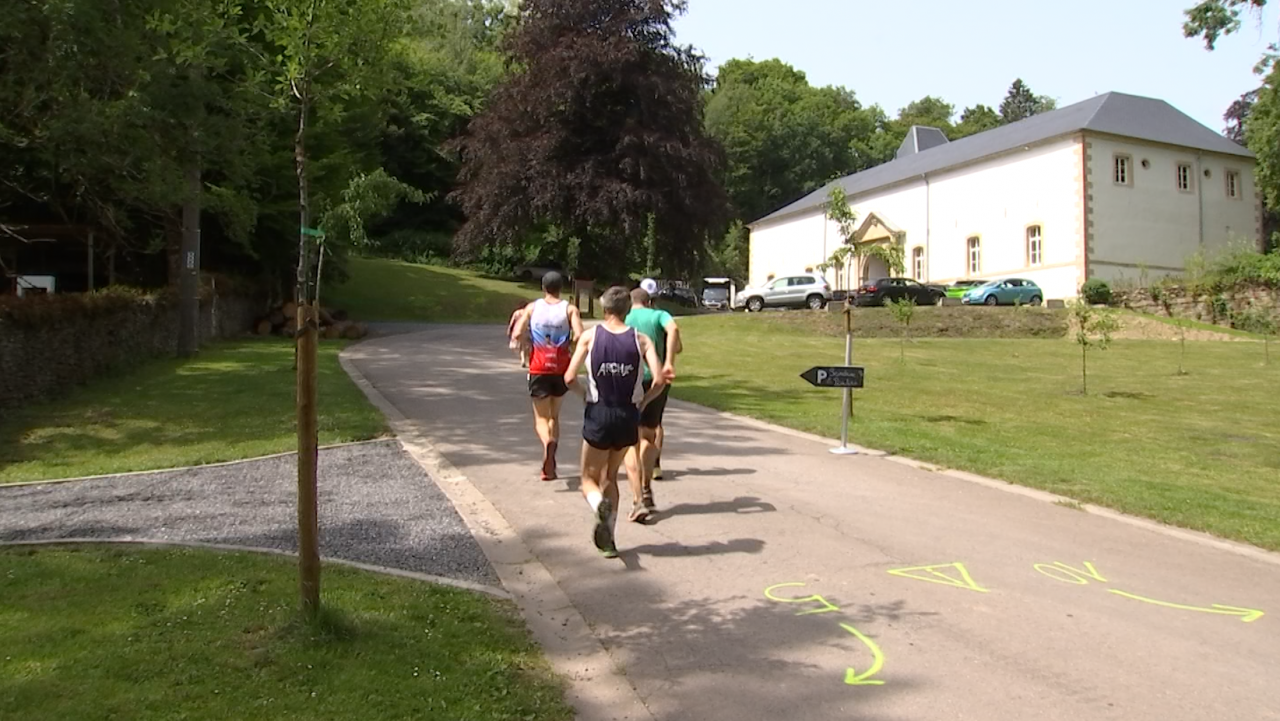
652 323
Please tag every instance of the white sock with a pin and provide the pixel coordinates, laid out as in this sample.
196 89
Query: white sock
594 498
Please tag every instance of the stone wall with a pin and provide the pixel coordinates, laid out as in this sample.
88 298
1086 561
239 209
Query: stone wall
49 345
1217 308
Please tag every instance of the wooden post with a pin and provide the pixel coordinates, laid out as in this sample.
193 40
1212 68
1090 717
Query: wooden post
308 512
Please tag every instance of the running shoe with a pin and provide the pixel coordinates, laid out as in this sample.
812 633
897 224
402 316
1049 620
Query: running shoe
602 536
657 472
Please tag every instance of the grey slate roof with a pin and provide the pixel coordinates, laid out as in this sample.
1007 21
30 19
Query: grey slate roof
919 139
1128 116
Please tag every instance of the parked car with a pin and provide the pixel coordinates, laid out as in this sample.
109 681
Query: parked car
534 271
883 290
680 296
1006 291
802 290
960 287
715 297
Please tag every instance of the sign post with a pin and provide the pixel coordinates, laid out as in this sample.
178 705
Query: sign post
846 377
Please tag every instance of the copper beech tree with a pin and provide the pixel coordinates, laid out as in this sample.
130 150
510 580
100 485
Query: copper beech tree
597 130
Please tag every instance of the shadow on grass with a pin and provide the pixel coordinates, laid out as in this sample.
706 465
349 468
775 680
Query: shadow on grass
387 290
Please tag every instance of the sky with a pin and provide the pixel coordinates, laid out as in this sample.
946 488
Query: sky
970 52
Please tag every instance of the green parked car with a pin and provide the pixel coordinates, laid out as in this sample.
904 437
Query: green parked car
1006 291
960 287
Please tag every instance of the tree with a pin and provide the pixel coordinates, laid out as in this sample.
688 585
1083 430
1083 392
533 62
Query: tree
974 120
1237 115
598 129
319 56
782 137
903 311
1020 103
1212 19
1093 329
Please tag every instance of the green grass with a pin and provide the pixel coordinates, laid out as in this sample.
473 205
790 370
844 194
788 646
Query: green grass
1200 451
104 633
393 290
235 400
1200 325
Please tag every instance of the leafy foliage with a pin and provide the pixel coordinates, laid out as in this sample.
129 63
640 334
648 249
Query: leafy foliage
903 310
595 132
1096 291
1021 103
977 119
1212 19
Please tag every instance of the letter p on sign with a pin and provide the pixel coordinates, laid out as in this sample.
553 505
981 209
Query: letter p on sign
822 377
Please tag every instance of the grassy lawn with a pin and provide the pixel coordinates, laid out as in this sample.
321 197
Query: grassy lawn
235 400
1200 451
392 290
101 633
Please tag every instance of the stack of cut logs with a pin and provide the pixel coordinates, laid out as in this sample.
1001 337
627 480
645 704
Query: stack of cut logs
334 324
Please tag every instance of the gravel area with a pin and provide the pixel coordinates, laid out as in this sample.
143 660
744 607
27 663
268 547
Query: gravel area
376 506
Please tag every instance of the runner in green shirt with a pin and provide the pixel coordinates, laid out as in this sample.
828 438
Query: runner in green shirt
665 334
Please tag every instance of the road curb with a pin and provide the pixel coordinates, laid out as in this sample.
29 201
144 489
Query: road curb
1197 537
160 543
175 469
598 691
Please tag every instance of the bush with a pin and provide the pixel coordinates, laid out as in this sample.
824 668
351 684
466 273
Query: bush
1096 292
415 246
1245 268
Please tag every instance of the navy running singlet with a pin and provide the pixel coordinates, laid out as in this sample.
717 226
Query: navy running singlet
614 364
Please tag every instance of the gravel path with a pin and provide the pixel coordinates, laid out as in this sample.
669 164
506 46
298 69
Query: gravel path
376 506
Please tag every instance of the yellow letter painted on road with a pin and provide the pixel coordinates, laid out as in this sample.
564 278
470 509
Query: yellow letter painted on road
1247 615
1072 574
957 575
827 607
853 678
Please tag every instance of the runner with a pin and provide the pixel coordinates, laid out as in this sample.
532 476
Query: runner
553 324
661 328
651 287
518 344
615 397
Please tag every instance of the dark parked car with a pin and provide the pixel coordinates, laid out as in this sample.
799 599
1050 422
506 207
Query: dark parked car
680 296
878 292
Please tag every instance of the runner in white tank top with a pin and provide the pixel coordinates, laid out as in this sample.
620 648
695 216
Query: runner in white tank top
551 325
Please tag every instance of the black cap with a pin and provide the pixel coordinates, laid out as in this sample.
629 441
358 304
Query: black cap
553 282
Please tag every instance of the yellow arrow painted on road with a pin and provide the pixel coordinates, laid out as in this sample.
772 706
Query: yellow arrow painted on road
1246 615
853 678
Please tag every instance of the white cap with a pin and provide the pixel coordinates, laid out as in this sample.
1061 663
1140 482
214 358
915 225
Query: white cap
650 286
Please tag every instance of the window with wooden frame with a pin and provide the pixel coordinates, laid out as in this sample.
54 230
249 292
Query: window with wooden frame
1233 184
1184 177
975 255
917 263
1122 172
1035 245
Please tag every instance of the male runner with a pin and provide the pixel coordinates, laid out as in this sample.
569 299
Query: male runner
615 395
553 324
661 328
651 287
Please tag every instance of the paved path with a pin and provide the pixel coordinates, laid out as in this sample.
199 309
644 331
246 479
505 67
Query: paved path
772 585
376 507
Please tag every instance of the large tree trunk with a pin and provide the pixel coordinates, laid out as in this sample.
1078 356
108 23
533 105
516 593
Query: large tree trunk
189 274
305 355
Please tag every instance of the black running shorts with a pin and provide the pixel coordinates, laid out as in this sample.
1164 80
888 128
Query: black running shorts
651 416
610 428
547 386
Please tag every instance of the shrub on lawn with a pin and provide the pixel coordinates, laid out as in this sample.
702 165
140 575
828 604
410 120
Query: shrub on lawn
1096 292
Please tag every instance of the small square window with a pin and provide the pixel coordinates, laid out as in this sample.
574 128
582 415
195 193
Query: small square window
1035 248
1123 171
1233 184
1184 177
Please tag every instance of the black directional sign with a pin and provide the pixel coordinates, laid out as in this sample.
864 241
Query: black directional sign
835 376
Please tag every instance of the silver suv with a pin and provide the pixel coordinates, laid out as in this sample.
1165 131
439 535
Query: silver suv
802 290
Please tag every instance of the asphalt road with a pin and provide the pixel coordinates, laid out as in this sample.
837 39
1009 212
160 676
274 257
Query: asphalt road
781 582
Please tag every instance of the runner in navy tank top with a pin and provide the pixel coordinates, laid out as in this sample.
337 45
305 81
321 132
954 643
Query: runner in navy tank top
614 396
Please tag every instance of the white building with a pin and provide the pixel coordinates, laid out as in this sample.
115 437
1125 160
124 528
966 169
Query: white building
1110 187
